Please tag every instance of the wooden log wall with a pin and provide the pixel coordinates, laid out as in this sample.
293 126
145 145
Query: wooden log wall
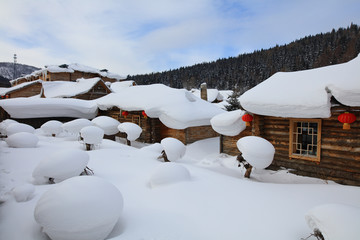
151 127
228 143
340 149
27 91
99 90
193 134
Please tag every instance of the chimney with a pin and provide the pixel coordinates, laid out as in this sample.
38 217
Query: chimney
203 91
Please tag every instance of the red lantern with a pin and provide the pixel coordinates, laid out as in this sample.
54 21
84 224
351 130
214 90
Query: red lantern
346 118
125 113
144 114
247 118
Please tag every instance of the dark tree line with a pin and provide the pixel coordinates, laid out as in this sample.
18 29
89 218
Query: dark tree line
248 70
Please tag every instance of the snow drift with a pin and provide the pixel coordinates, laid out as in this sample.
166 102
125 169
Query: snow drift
168 173
79 208
335 221
61 165
22 140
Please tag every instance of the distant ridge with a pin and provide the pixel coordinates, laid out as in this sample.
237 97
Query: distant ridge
248 70
7 72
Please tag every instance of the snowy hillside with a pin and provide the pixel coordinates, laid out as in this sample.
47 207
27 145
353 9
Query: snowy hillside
7 70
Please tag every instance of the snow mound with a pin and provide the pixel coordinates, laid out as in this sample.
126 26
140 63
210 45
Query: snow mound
108 124
23 192
173 148
52 127
132 130
19 127
257 151
79 208
22 140
4 124
335 221
92 134
76 125
167 173
61 165
229 123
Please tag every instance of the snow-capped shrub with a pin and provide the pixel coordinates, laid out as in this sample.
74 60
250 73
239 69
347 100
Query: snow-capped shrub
60 165
335 221
4 124
22 140
91 135
23 192
132 130
257 151
167 173
76 125
52 127
19 127
108 124
79 208
173 148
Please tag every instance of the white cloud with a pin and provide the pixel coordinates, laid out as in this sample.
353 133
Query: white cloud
140 36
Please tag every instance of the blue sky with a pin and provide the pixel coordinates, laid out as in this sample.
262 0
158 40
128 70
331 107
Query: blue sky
143 36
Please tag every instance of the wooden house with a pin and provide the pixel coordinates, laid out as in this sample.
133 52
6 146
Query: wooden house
25 89
68 72
86 89
161 112
298 113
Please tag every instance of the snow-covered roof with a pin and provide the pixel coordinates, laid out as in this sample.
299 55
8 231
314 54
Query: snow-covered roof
212 94
229 123
305 94
49 107
69 89
176 108
81 68
71 68
118 86
4 91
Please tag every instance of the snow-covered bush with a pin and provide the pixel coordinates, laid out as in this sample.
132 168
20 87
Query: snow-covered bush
76 125
108 124
334 221
167 173
60 165
173 149
91 135
257 151
79 208
22 140
132 131
23 192
4 124
19 127
52 127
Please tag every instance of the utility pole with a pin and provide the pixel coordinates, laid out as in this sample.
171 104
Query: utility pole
15 58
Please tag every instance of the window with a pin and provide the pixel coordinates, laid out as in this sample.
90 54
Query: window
305 139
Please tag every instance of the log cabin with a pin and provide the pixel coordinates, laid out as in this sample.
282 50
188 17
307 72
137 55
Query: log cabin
161 112
68 72
25 89
302 114
86 89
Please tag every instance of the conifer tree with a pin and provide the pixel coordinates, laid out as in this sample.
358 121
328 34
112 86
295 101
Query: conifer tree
233 100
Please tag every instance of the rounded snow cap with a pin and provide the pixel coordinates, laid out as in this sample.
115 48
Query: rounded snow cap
78 208
257 151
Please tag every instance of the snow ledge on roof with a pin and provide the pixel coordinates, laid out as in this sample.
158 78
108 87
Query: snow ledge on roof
305 94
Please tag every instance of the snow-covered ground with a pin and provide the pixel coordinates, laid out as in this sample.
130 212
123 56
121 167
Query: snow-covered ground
215 202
